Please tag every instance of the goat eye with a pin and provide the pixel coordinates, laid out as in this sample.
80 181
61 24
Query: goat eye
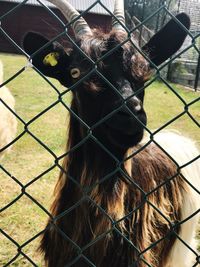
75 73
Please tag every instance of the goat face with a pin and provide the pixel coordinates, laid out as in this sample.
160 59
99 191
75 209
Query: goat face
114 76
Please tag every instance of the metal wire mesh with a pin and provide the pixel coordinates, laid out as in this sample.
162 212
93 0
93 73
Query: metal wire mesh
19 247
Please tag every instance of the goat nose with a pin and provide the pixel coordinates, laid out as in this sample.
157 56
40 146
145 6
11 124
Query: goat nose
134 104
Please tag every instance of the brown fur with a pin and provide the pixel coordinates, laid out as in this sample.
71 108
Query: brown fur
110 210
111 217
88 222
97 44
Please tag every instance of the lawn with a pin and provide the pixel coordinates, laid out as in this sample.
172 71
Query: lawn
29 159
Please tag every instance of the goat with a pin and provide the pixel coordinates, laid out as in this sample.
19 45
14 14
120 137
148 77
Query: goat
8 122
115 196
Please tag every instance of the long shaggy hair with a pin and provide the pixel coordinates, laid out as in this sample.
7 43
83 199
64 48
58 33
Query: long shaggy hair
117 202
143 203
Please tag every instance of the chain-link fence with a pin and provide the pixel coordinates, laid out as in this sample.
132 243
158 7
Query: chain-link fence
19 243
188 62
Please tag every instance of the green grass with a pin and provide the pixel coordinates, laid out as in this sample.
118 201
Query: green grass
162 105
28 158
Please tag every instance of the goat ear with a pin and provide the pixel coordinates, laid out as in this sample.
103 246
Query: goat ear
52 61
168 40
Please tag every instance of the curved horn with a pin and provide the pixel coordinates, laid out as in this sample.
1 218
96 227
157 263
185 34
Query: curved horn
80 26
119 14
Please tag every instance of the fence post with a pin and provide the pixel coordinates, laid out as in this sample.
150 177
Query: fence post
197 74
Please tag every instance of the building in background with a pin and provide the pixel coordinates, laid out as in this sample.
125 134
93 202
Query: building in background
192 8
34 17
186 69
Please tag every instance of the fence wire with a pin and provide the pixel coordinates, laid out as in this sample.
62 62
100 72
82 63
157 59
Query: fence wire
20 247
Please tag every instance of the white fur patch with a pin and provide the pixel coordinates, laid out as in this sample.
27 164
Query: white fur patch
183 150
8 122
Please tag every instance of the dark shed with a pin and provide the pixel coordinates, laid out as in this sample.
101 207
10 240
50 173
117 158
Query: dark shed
17 19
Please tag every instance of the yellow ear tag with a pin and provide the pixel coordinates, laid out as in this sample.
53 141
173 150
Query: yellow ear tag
51 59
